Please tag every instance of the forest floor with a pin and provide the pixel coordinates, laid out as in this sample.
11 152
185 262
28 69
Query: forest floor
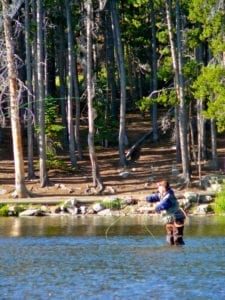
157 161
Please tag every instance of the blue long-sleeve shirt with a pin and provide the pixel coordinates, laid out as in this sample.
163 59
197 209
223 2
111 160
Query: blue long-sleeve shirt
167 202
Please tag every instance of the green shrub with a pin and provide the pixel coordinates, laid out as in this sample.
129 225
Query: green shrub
18 209
4 210
112 203
220 201
54 162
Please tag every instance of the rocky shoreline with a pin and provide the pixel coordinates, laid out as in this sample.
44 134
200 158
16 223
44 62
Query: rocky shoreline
194 203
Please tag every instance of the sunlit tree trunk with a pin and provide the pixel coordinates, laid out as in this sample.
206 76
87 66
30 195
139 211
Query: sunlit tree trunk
183 120
41 95
34 64
62 79
179 84
30 119
70 89
90 94
122 77
20 188
110 60
175 70
77 102
214 144
154 71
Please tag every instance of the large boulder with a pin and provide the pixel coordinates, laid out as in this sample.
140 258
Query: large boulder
33 212
213 182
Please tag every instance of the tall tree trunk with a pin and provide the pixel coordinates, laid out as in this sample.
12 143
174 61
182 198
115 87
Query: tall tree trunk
62 80
70 88
77 102
214 144
175 70
41 96
201 135
50 63
110 60
154 71
90 94
20 188
35 68
30 151
182 103
121 68
179 84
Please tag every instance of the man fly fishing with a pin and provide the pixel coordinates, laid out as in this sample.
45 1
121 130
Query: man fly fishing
174 217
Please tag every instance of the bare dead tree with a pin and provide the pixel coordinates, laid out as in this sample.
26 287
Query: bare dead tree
14 95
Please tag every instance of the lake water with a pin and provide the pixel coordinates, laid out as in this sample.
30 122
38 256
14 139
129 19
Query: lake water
110 258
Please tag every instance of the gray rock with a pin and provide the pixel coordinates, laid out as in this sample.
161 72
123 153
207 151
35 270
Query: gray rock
32 212
105 212
191 196
72 210
202 209
97 207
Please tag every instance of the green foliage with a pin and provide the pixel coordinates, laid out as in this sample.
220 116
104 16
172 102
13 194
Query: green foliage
4 210
54 162
199 10
164 71
220 201
112 203
52 129
51 110
210 19
209 86
193 37
165 97
137 3
106 126
144 103
190 70
18 209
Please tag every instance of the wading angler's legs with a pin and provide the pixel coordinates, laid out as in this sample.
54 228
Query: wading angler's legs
174 233
178 233
169 233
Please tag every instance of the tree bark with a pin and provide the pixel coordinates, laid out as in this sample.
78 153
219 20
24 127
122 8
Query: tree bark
154 71
175 70
122 77
20 188
110 60
214 144
71 133
183 120
179 84
30 122
41 96
97 183
62 80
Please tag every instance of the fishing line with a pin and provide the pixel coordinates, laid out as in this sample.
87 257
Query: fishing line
151 234
113 223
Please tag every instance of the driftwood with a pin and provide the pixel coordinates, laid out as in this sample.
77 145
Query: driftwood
134 152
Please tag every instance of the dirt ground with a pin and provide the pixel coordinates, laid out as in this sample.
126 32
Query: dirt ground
157 161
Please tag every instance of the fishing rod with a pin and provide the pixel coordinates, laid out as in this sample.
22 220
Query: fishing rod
120 217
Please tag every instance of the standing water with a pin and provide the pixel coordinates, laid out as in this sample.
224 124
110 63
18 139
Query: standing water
110 258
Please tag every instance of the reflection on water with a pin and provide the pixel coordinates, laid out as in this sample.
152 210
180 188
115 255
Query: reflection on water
74 258
105 226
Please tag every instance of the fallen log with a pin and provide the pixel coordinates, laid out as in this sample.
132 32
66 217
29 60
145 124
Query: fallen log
134 152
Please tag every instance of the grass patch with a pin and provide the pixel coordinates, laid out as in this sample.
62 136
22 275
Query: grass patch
220 201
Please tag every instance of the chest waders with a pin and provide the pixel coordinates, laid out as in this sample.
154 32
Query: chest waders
174 231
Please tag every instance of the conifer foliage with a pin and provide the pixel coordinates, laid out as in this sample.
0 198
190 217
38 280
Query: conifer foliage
96 61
